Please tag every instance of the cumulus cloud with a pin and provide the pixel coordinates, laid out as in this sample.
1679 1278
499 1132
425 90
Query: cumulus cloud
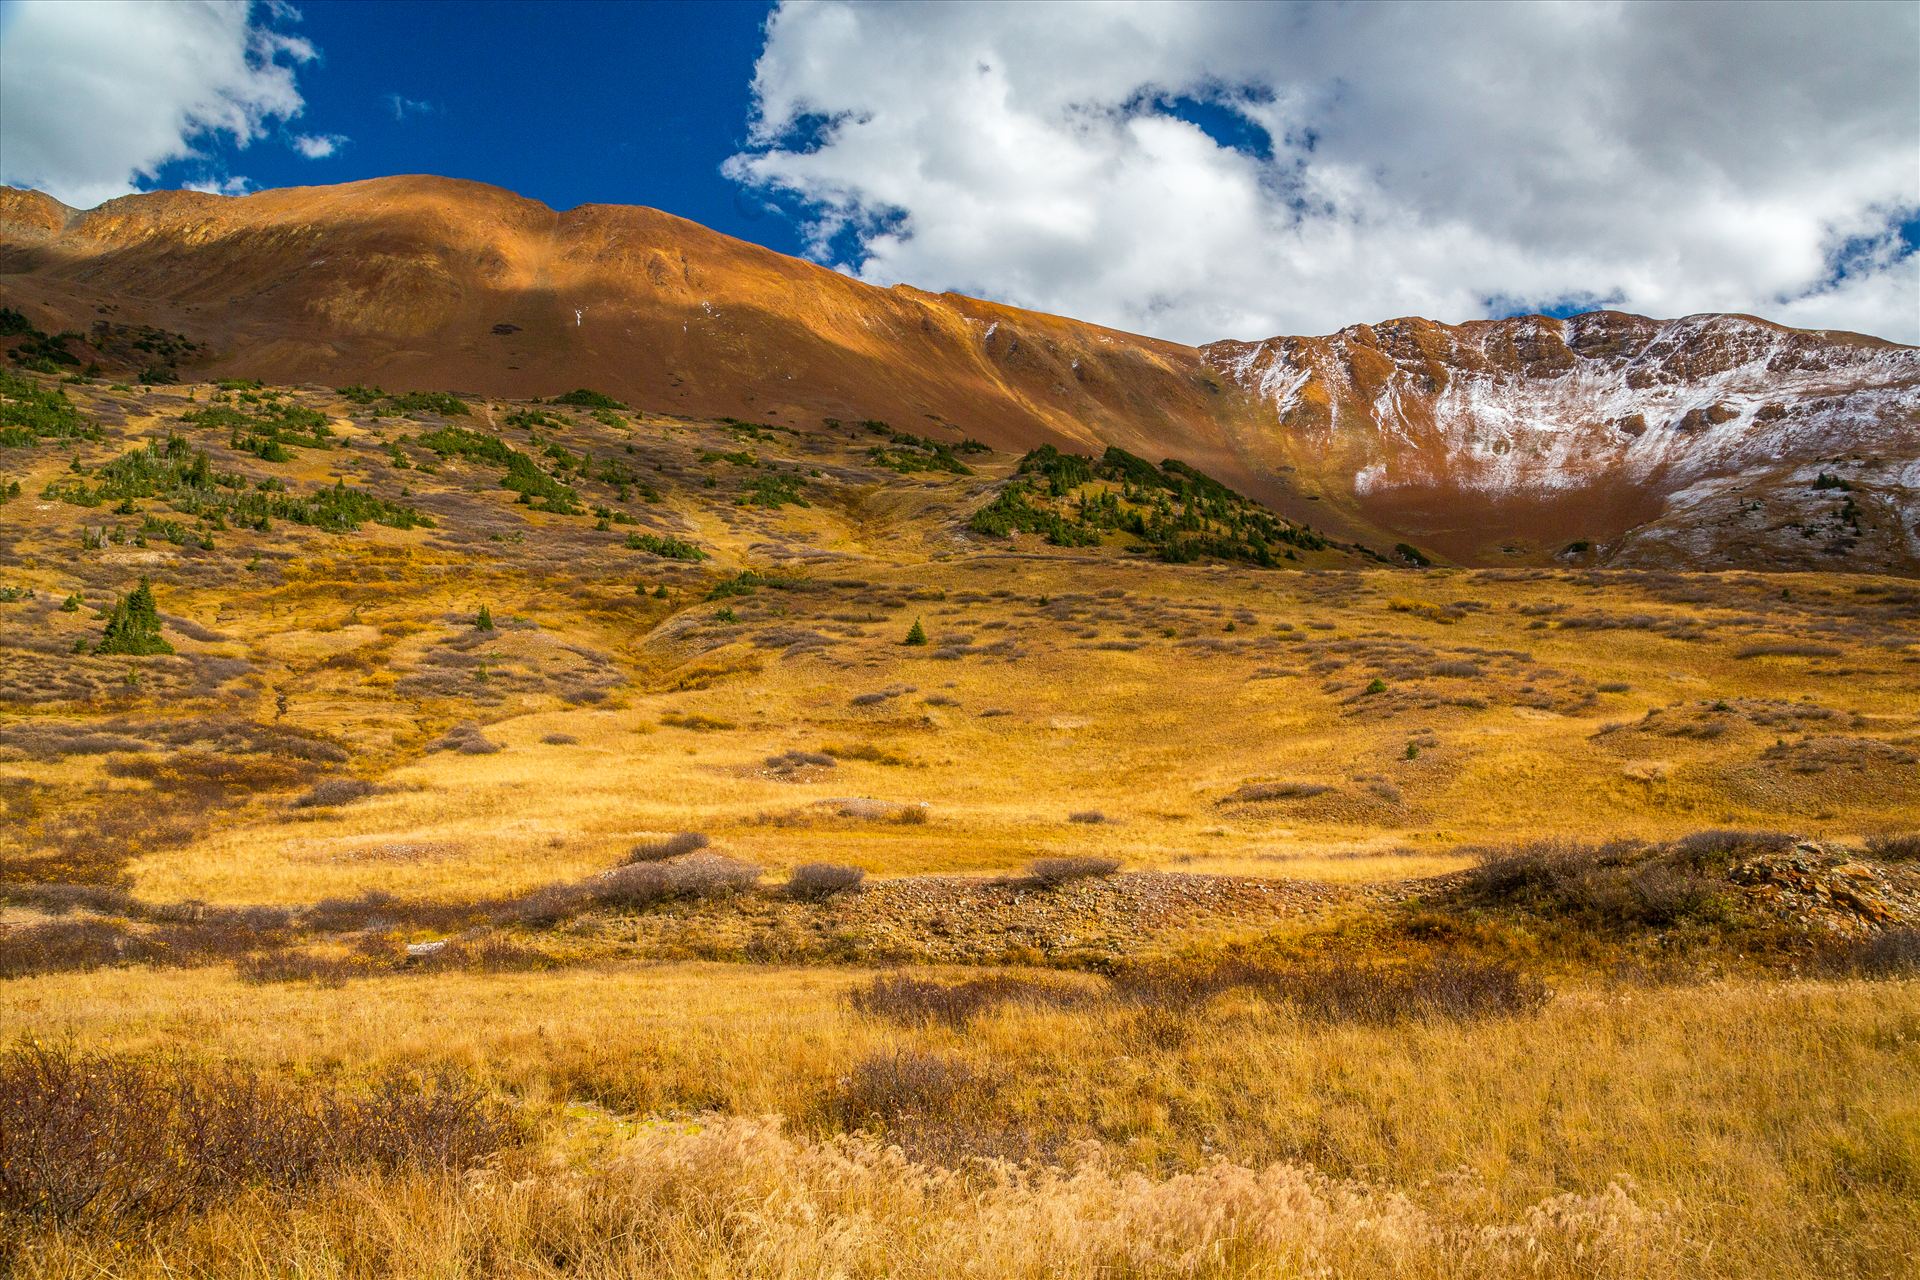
317 146
95 97
1239 170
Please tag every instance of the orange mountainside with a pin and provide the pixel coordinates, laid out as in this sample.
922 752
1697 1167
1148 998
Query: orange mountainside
1604 438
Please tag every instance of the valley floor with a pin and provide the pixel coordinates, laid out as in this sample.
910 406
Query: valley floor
448 898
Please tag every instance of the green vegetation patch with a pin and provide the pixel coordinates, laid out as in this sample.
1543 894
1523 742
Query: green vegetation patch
30 413
1176 511
523 475
266 426
183 477
582 398
659 545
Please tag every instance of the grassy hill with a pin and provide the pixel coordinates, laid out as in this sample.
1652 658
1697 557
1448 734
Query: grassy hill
461 768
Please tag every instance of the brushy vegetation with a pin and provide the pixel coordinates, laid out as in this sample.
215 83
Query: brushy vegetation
1178 512
818 881
30 413
585 399
522 474
111 1142
1053 872
183 477
133 628
665 547
675 846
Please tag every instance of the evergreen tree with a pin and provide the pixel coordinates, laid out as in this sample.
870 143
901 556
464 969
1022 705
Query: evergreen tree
918 635
485 621
134 625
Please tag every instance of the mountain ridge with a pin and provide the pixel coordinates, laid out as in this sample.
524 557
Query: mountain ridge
1491 441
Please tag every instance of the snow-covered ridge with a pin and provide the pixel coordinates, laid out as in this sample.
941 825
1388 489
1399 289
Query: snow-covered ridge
1541 405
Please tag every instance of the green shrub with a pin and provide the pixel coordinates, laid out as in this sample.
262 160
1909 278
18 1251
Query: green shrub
585 399
134 625
670 548
29 414
428 402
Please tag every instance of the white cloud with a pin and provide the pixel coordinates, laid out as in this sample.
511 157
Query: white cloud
95 97
317 146
403 107
220 186
1425 159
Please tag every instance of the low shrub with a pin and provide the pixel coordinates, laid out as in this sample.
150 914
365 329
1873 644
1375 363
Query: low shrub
647 884
1256 792
670 847
61 946
113 1141
1089 816
912 1001
467 739
817 881
901 1085
1446 988
1895 847
335 791
1611 887
1890 953
1053 872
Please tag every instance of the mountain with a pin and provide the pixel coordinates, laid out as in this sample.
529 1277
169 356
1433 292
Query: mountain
1604 438
1707 436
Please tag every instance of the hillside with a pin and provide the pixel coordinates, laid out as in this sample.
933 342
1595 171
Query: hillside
1604 439
421 810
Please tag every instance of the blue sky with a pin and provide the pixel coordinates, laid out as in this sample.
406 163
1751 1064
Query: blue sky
1194 170
584 102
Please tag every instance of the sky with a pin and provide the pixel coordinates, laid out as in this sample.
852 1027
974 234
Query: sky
1192 171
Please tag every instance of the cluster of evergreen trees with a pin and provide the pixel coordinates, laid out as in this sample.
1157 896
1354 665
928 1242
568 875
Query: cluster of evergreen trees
1182 513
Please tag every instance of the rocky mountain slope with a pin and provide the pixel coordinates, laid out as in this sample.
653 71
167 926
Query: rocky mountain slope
1605 438
1607 414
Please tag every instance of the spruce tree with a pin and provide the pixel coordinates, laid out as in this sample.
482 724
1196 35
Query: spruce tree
134 625
918 635
485 621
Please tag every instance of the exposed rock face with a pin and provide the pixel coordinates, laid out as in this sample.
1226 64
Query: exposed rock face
1611 418
1685 442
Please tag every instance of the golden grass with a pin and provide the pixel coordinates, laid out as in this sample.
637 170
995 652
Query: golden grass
1153 738
1771 1129
1734 1129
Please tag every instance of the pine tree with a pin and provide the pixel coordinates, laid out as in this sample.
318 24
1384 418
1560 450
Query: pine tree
918 635
485 621
134 625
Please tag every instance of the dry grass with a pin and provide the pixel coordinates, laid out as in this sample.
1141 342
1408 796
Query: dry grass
1254 1108
1736 1110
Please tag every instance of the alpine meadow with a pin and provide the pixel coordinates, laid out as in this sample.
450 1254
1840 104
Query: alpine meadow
549 741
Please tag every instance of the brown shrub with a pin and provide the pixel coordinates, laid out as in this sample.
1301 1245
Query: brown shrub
465 738
1053 872
1089 816
1890 953
914 1001
816 881
1255 792
1446 988
335 791
107 1142
60 946
646 884
1607 888
1895 847
671 847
